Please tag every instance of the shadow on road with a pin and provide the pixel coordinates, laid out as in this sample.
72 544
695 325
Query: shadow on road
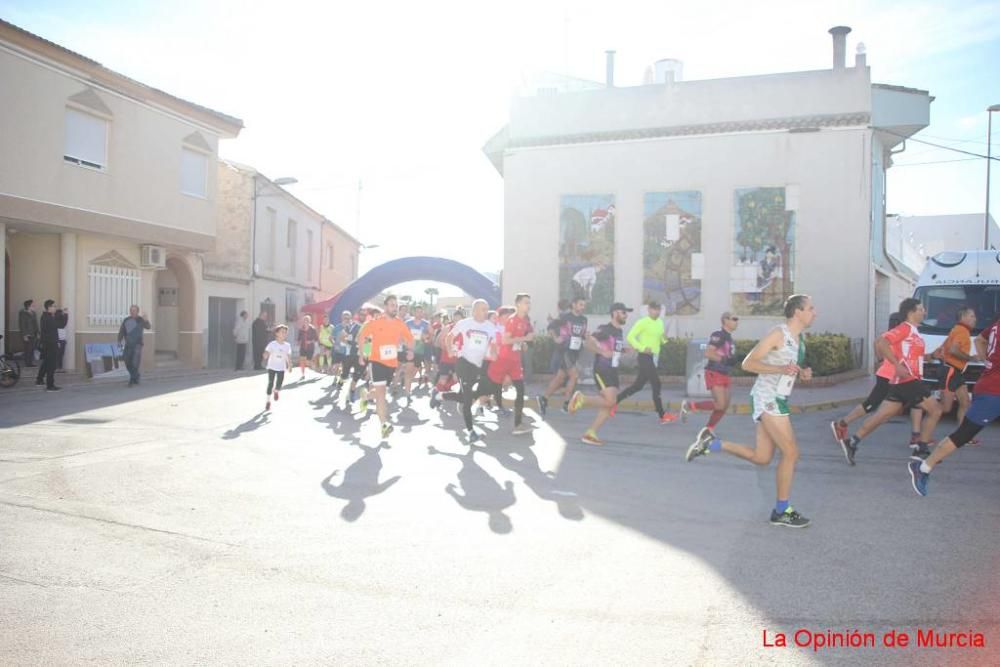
260 419
521 461
360 481
480 492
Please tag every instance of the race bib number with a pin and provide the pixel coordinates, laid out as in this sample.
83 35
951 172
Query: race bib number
575 342
785 385
516 347
478 340
920 367
387 352
615 358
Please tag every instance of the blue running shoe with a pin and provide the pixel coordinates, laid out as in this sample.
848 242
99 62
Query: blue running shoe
918 478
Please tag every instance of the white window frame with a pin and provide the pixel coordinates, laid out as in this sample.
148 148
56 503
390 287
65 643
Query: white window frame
205 157
272 233
85 162
113 290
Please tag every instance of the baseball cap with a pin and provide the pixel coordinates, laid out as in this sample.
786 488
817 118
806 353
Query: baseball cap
618 305
654 305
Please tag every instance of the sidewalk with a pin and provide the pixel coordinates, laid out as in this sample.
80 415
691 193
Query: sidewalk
78 380
805 398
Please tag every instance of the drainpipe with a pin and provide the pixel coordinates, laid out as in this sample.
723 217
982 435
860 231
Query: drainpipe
885 224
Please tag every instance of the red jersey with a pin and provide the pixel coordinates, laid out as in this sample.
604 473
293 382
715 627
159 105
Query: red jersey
908 347
446 357
516 327
989 381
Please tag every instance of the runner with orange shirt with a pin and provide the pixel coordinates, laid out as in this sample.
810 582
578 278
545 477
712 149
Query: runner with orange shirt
956 352
387 334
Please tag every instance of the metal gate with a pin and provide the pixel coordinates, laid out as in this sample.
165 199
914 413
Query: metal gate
221 344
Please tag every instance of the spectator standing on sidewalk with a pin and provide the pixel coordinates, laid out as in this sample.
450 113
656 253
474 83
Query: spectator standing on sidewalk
49 339
131 334
260 339
62 319
241 332
27 322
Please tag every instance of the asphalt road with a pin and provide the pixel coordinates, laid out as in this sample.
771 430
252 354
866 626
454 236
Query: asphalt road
175 523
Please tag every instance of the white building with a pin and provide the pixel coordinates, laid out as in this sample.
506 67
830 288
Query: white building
709 196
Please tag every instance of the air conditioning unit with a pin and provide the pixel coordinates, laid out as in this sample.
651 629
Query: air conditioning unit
154 257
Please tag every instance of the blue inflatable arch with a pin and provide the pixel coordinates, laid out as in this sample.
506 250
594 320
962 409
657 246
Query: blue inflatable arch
404 270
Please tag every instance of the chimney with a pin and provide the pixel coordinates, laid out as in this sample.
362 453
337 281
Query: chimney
610 76
860 59
839 45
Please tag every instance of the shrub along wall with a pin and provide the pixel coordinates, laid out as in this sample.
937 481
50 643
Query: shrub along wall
826 354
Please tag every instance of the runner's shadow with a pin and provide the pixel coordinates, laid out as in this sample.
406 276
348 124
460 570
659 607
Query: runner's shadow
300 383
480 492
407 419
522 461
330 397
360 482
252 424
343 423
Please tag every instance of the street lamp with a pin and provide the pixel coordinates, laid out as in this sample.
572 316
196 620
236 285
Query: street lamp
989 159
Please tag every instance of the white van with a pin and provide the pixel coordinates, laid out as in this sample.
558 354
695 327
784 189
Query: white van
949 281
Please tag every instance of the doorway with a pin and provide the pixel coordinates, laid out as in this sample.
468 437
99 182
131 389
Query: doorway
222 313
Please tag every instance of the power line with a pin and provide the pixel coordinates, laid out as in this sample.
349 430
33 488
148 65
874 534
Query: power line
917 164
930 143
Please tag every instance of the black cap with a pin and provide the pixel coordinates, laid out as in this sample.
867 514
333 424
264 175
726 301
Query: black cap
618 305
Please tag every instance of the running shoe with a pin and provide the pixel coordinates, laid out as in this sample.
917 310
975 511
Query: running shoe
920 452
565 406
543 405
685 411
522 429
363 406
789 519
591 439
435 401
918 478
276 394
473 437
386 430
504 412
267 406
839 429
914 439
576 402
849 449
700 446
667 418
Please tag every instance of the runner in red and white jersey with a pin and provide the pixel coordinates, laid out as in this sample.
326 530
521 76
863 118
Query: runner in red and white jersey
516 332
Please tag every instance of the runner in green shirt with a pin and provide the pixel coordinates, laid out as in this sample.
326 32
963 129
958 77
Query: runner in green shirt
645 337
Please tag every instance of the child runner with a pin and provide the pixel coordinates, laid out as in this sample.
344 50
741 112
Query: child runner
607 344
277 359
777 360
721 355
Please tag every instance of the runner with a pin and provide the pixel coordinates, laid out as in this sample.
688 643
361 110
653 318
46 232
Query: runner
572 333
721 355
420 330
403 314
386 334
446 377
477 336
777 360
278 360
956 352
372 313
516 332
607 344
883 377
345 350
324 334
985 408
903 352
645 337
307 344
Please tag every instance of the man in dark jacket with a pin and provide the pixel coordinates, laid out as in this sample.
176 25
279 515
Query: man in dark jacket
259 337
27 323
130 334
50 347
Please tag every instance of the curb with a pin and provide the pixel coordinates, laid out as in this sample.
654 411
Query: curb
734 409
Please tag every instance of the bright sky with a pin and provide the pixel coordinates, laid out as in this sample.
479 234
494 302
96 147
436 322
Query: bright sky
402 95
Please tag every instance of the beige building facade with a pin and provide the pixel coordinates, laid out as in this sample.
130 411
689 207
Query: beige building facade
107 198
